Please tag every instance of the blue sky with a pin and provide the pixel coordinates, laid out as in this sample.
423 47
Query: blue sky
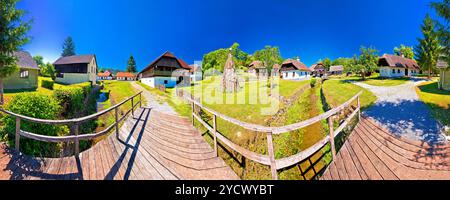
311 29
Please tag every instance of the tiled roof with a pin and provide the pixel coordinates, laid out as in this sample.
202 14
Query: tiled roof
276 66
74 59
399 61
25 61
257 64
168 55
313 67
125 74
105 74
336 68
297 65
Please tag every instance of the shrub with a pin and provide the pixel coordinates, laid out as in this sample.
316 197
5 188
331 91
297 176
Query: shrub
313 82
47 84
70 99
37 106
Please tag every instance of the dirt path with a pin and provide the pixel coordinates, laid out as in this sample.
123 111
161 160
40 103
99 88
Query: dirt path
403 113
152 101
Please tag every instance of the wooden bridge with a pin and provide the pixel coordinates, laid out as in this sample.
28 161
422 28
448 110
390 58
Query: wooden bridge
155 145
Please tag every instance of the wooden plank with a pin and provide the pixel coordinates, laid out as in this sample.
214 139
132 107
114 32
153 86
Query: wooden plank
349 165
334 172
370 170
343 174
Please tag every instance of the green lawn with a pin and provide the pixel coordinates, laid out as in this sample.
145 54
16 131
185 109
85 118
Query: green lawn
437 100
376 80
338 92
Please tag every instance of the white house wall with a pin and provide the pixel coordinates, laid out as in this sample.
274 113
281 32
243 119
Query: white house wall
393 72
295 75
168 82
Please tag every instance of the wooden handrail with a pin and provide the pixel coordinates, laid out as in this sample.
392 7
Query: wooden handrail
269 160
74 123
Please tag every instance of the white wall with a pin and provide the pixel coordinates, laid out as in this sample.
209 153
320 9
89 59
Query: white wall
393 72
197 76
154 81
295 75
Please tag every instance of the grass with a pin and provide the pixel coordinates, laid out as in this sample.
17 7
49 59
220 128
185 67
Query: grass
376 80
437 100
337 92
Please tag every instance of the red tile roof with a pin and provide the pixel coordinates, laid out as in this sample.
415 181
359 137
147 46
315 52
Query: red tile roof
397 61
74 59
297 65
168 55
125 74
105 74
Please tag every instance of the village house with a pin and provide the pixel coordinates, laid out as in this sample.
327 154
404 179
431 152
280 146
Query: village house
392 66
336 70
276 70
107 75
257 68
294 70
444 79
318 70
195 72
125 76
27 75
167 70
76 69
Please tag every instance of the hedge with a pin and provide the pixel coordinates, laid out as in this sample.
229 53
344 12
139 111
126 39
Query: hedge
47 84
38 106
70 99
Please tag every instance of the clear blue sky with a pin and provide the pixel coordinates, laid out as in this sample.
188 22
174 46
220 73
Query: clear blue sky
311 29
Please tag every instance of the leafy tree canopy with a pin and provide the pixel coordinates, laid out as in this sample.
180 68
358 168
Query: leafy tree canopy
269 56
406 51
216 59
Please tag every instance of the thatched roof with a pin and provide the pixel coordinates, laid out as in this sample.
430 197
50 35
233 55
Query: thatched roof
257 65
291 64
338 68
388 60
25 61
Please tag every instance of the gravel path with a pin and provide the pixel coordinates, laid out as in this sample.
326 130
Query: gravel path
401 111
152 101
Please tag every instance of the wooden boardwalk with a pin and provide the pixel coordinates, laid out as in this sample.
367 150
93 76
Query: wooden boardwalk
372 153
152 146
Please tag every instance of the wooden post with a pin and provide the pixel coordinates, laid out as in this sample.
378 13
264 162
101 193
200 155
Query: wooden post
193 112
359 112
77 141
331 127
132 106
117 121
140 99
273 167
215 137
18 134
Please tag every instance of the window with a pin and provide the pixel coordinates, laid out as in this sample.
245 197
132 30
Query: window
23 73
166 82
398 70
393 71
293 74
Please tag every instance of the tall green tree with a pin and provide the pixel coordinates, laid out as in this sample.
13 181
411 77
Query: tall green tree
131 65
68 47
428 49
269 56
443 10
40 62
216 59
406 51
13 35
367 61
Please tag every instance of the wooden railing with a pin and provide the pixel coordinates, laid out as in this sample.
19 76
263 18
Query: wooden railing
74 125
269 160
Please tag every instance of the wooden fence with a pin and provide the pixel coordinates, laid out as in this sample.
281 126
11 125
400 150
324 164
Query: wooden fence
269 160
74 125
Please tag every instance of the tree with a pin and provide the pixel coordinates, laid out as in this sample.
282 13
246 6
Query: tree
40 63
347 63
428 49
13 35
48 70
326 63
68 47
406 51
367 61
443 10
269 56
216 59
131 66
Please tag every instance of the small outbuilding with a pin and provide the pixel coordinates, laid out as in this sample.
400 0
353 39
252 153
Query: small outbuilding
294 70
27 75
125 76
336 70
76 69
392 66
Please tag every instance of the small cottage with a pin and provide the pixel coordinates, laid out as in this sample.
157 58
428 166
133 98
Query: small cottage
125 76
276 70
27 75
318 70
166 70
336 70
257 68
392 66
107 75
444 79
294 70
76 69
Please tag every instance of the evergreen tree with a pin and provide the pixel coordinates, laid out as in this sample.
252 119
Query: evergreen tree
131 66
428 49
13 35
68 47
443 10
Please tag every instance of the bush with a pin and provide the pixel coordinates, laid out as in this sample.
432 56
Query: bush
313 82
70 99
47 84
37 106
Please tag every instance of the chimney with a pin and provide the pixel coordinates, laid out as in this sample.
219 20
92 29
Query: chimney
402 55
298 58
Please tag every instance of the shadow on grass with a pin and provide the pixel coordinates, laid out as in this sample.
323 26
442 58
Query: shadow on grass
432 88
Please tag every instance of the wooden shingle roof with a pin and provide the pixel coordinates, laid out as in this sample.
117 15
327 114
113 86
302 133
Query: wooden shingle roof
25 61
291 64
167 54
80 59
388 60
